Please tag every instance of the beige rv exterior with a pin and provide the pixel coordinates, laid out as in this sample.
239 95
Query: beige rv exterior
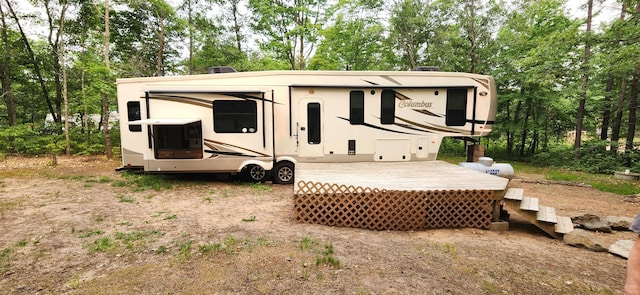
263 123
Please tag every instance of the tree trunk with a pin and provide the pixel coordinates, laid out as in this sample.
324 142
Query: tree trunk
190 20
160 64
236 24
105 97
470 7
35 64
585 80
65 97
606 114
617 123
525 127
633 105
5 74
54 43
509 136
536 135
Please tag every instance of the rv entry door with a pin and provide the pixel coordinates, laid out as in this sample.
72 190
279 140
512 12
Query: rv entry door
310 128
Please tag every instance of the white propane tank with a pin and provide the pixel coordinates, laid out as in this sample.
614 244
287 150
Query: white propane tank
486 165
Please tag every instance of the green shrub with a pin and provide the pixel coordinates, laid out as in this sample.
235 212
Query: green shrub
34 139
560 155
595 158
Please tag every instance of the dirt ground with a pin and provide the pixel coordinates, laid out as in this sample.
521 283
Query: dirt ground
81 228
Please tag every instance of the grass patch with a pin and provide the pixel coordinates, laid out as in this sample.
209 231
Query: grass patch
171 217
125 199
209 248
75 281
307 243
131 240
451 249
6 205
326 257
105 244
184 249
91 233
562 175
601 182
618 187
137 238
142 182
105 179
251 218
259 187
5 260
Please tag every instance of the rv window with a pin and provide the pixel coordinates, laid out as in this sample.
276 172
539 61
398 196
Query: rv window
356 106
178 141
456 107
235 116
133 114
388 107
313 123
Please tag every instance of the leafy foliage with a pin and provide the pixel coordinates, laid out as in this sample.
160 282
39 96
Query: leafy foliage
534 49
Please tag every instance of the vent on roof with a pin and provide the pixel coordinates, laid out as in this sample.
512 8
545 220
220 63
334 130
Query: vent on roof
221 69
427 69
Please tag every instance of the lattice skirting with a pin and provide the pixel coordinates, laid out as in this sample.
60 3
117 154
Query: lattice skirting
349 206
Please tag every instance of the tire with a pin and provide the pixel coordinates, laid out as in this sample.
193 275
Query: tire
254 173
284 173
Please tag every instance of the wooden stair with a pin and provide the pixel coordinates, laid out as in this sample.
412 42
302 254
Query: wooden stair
543 217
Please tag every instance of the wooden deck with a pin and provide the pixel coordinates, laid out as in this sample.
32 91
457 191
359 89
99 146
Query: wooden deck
401 176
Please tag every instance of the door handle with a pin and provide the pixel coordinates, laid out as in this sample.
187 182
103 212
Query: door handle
303 129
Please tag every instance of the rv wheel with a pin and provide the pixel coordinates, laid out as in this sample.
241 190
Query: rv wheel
283 173
255 173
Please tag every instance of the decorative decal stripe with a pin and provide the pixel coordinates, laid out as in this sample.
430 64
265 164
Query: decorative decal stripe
428 113
235 146
372 83
185 100
482 82
179 97
391 80
212 147
481 122
244 96
433 128
401 96
228 153
379 128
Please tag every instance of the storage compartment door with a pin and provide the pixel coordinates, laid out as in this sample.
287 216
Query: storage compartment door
422 149
392 150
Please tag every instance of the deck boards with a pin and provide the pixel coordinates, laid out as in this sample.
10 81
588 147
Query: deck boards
547 214
419 175
514 194
530 204
564 225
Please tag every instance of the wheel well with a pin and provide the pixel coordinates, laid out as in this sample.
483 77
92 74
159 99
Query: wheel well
281 162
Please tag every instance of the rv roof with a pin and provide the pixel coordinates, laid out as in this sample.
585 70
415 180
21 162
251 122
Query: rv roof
168 121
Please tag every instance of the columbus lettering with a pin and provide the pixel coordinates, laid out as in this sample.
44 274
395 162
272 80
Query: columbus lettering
414 104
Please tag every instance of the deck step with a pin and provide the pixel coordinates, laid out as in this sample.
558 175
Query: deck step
547 214
564 225
529 204
514 194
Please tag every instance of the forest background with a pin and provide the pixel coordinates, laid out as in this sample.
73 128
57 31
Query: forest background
567 77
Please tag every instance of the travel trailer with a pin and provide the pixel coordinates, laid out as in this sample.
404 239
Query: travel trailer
261 124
